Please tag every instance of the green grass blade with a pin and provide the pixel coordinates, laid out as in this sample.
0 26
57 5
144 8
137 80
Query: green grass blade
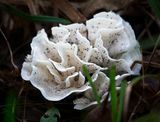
121 103
155 5
87 75
112 74
10 107
43 19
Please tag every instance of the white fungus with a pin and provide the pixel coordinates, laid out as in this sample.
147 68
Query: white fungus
55 65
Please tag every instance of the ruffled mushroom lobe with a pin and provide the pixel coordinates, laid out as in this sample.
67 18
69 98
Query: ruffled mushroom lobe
55 65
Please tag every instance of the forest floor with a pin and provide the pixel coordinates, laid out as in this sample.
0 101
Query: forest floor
16 32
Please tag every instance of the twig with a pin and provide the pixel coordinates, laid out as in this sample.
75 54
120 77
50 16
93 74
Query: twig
143 72
22 2
155 18
140 98
153 52
128 93
33 10
70 11
149 14
152 64
126 101
10 51
135 108
144 31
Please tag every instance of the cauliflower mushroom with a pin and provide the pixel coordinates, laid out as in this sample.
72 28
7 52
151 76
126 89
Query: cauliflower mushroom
55 65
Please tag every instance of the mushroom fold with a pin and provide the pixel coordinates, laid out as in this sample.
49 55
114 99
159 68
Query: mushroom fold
55 65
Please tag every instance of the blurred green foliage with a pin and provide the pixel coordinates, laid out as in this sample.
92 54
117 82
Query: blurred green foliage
153 116
148 43
10 107
42 19
155 5
51 115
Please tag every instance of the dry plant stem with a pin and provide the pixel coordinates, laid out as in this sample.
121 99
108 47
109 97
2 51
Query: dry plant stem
22 2
144 31
134 110
149 14
127 97
71 12
92 6
145 63
143 73
20 47
157 94
140 98
33 10
17 2
110 5
156 19
1 80
150 35
21 89
153 52
10 51
55 10
126 102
